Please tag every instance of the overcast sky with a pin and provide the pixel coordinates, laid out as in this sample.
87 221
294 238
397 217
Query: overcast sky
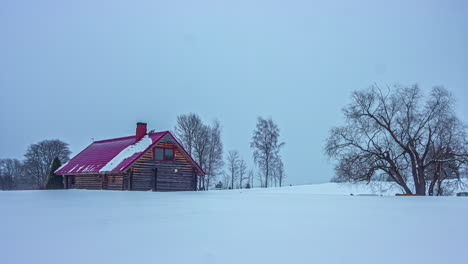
77 70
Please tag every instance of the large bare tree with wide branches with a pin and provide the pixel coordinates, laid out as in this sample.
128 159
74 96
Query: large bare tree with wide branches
399 134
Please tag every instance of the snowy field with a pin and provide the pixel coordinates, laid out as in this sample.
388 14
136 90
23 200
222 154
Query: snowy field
302 224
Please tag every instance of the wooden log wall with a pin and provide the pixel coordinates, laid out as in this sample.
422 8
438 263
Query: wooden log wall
167 180
115 182
96 182
87 181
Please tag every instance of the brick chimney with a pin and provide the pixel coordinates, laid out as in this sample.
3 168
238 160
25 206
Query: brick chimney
140 131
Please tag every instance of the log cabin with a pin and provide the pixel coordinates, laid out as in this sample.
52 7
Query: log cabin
145 161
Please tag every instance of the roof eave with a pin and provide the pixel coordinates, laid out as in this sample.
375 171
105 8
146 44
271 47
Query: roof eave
90 173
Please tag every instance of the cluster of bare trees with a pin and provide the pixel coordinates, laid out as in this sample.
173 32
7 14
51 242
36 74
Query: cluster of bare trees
39 158
33 171
278 173
203 142
398 134
235 176
266 146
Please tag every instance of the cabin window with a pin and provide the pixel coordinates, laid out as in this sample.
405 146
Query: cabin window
168 154
158 154
164 154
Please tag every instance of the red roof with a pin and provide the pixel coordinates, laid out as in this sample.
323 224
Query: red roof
93 158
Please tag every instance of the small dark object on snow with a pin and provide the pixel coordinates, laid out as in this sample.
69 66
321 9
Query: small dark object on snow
219 186
462 194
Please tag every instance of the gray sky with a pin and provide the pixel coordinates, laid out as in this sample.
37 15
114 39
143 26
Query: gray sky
77 70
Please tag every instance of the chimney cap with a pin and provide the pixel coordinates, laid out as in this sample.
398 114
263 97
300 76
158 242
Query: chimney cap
141 123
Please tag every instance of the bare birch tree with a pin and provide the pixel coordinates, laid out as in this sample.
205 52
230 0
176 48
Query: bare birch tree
226 180
266 145
201 144
186 129
280 174
242 172
251 178
214 163
232 161
261 178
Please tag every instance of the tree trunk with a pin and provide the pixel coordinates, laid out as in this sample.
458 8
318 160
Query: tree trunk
434 180
418 176
420 188
440 190
421 180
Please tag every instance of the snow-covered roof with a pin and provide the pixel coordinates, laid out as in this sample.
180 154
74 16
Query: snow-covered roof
114 155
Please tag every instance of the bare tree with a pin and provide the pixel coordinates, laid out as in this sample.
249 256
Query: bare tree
226 180
279 171
251 178
186 129
266 145
394 135
214 160
201 145
232 166
204 142
11 173
39 157
242 172
261 178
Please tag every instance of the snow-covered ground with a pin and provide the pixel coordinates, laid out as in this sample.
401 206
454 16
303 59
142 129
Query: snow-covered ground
372 188
302 224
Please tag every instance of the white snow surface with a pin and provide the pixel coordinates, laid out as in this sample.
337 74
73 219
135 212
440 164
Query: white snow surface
299 224
138 147
362 188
